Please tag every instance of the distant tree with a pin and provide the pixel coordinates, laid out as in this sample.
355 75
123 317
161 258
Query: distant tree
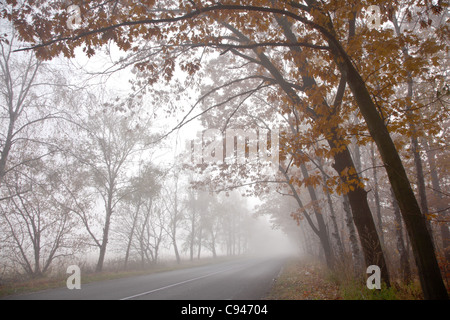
136 207
38 222
106 148
172 206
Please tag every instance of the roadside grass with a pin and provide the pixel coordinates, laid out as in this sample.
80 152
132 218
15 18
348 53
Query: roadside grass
359 291
14 287
305 279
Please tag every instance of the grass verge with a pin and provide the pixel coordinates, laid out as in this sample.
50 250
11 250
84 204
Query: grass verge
303 280
310 280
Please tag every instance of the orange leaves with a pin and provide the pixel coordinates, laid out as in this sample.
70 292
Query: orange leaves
297 217
322 152
346 182
190 67
351 185
348 171
340 187
431 216
313 180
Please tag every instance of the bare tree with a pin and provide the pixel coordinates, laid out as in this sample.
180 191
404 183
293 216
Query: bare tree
151 234
40 229
138 205
171 204
110 140
25 96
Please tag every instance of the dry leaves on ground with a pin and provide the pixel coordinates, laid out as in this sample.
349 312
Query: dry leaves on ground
303 280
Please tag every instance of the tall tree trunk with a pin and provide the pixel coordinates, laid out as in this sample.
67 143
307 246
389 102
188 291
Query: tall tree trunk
192 239
335 234
130 237
319 230
361 212
323 234
174 223
37 251
199 249
177 254
403 252
420 177
7 146
101 257
213 244
441 208
356 149
377 195
354 247
142 245
174 242
106 226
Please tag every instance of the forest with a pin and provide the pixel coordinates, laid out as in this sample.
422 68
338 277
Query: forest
136 131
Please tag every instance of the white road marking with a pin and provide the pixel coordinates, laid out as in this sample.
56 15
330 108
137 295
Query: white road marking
179 283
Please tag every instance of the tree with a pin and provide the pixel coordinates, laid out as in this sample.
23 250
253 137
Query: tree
24 106
212 224
14 103
234 223
404 261
439 199
137 206
197 204
171 205
38 223
111 140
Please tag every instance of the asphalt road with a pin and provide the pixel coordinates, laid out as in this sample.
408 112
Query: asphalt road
242 279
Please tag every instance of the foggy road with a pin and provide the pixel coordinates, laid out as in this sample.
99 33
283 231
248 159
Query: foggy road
241 279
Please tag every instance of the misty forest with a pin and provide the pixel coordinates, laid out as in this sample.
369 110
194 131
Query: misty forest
139 133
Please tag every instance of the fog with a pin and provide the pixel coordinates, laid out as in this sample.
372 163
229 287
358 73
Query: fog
269 242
